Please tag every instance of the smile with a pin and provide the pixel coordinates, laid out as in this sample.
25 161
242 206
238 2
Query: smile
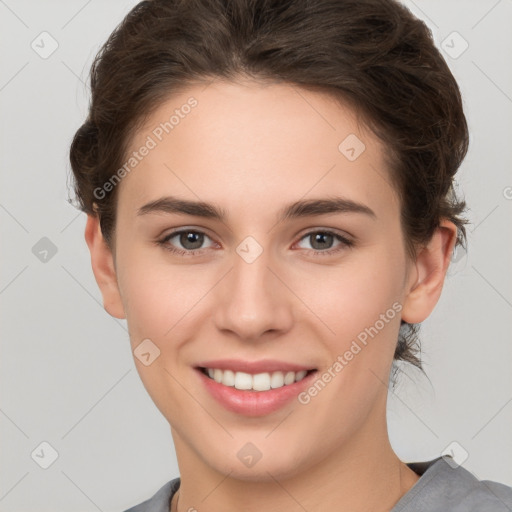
255 382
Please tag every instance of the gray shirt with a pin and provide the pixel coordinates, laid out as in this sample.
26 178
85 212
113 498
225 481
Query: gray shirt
441 488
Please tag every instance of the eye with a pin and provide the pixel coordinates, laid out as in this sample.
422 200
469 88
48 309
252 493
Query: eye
190 239
323 240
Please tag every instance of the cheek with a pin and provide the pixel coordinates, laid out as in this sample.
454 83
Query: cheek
157 298
352 295
159 302
162 299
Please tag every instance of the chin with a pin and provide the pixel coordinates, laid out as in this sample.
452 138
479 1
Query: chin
266 469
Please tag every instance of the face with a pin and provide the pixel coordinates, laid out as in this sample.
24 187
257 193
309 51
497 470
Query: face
320 290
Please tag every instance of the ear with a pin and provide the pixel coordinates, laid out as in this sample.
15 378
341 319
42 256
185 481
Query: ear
427 281
102 262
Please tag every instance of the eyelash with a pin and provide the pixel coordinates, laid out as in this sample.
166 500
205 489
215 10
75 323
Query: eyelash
345 242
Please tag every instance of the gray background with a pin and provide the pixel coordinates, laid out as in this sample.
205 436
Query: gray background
68 377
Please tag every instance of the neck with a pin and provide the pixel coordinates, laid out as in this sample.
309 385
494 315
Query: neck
366 475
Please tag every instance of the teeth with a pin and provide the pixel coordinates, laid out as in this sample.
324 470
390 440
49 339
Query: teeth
277 380
242 380
300 375
289 378
257 382
228 378
261 382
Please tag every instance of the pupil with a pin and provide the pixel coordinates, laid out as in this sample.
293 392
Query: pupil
189 237
321 238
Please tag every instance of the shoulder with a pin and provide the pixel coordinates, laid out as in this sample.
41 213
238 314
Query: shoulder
502 493
444 485
159 502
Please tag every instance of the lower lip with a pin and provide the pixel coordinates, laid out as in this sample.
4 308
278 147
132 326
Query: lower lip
254 403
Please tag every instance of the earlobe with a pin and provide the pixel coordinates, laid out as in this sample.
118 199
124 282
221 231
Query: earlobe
432 263
102 262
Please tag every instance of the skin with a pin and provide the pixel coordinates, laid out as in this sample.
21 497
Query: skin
252 148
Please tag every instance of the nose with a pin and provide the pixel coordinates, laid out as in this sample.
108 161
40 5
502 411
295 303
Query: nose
253 300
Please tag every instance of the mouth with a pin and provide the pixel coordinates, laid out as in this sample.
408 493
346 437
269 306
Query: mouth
256 382
254 394
254 388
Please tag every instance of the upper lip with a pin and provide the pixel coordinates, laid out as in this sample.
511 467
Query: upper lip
254 367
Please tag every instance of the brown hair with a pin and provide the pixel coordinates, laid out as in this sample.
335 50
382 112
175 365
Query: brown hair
372 54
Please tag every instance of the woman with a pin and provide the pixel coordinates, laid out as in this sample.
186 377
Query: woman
226 142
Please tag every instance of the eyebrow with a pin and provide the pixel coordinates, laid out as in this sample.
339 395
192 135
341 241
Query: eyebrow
301 208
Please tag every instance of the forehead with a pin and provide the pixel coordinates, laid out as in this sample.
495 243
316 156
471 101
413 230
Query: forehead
250 141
